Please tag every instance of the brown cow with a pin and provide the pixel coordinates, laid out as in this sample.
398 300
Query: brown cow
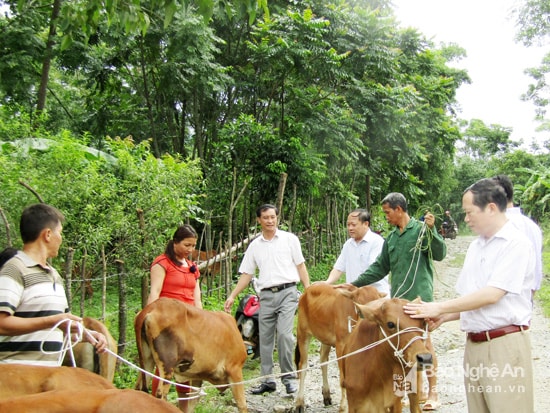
189 343
25 379
325 312
87 401
373 377
86 357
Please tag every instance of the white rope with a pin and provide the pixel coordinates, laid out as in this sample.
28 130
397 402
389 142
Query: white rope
400 353
196 390
365 348
199 391
71 340
67 343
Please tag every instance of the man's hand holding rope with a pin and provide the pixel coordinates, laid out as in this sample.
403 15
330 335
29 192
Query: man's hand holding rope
429 219
78 333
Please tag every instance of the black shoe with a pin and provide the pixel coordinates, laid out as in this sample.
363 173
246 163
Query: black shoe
264 388
290 388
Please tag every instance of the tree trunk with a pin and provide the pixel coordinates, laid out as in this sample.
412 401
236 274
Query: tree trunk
122 306
103 284
147 97
48 53
69 276
367 192
292 212
83 282
145 264
235 197
281 194
7 225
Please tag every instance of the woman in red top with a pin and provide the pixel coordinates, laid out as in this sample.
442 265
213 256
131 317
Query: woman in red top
173 275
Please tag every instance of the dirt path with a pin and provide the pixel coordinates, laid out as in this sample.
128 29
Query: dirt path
449 344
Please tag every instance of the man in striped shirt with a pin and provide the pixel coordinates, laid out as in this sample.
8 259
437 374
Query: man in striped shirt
32 297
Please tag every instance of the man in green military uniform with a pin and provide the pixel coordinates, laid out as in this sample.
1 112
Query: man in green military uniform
408 253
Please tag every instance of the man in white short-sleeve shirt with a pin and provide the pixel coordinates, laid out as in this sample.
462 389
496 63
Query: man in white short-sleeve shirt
278 256
359 251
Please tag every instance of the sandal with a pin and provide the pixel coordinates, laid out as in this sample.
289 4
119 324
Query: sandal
431 405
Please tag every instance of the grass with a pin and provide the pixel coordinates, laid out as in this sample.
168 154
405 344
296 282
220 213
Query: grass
543 295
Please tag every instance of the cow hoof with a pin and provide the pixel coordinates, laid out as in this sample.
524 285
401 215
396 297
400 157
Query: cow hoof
327 401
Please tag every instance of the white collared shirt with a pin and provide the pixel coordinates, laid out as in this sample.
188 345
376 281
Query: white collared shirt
505 261
356 257
534 233
276 259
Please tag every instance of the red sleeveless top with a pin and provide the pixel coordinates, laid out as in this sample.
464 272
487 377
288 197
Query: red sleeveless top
179 281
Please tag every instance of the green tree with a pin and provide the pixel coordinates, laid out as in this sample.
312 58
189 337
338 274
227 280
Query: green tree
100 195
532 18
77 17
481 141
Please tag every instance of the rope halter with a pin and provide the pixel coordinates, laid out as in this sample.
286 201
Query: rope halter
399 353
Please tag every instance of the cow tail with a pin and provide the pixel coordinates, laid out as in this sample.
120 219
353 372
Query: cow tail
297 356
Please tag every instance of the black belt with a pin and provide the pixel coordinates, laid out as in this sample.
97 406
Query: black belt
497 332
277 288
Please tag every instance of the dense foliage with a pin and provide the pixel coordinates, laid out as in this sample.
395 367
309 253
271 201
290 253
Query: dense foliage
100 195
320 106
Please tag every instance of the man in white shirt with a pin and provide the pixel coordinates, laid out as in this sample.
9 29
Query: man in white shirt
525 225
494 307
278 256
359 251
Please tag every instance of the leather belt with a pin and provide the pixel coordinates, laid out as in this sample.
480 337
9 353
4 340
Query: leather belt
497 332
277 288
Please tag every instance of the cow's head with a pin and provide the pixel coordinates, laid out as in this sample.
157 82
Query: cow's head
404 334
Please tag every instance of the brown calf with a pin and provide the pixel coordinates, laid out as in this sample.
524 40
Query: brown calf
87 401
326 313
24 379
189 343
202 256
388 344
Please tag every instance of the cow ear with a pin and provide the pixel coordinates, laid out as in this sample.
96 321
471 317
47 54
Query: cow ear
417 300
368 310
345 289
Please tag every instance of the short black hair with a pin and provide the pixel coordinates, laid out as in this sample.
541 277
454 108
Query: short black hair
265 207
486 191
506 183
37 217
